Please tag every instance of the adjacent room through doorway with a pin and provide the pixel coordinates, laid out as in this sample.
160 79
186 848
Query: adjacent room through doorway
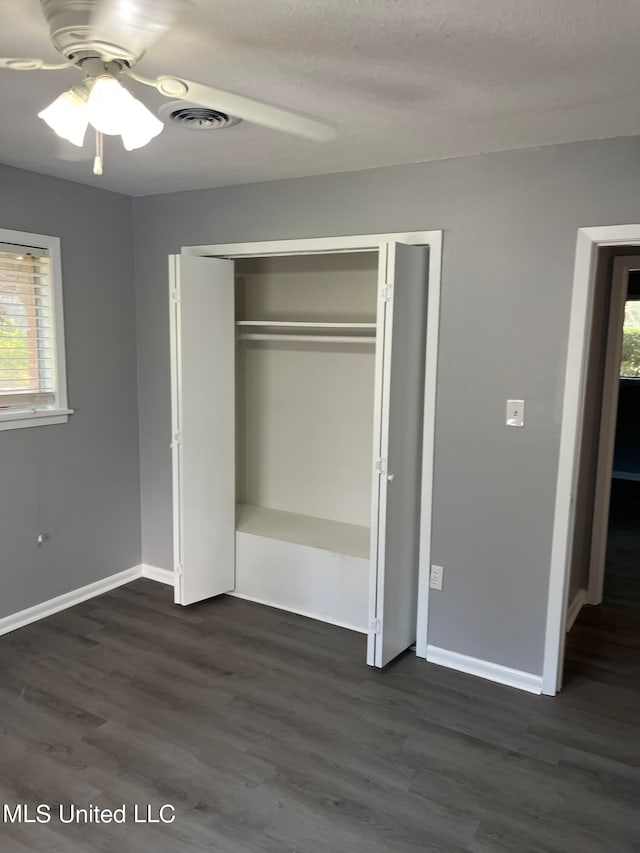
605 639
622 568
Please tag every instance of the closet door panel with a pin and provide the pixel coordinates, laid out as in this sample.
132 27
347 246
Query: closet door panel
203 421
393 602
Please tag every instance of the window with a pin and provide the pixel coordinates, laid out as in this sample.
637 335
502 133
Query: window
630 363
32 368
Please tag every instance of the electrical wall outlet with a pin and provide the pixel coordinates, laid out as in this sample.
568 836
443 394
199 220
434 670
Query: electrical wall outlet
435 581
515 413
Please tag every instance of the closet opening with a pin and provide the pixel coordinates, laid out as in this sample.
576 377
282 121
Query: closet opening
303 418
305 368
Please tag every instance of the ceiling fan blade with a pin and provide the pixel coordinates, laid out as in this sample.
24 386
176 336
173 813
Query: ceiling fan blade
15 64
249 109
135 24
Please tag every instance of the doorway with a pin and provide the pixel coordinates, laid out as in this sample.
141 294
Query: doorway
605 568
615 545
592 436
622 574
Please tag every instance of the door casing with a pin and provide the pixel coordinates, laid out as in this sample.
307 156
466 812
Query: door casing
589 242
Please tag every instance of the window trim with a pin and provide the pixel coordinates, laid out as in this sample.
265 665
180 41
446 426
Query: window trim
57 412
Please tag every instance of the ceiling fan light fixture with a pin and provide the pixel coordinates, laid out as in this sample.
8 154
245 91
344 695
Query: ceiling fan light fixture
68 116
104 39
114 111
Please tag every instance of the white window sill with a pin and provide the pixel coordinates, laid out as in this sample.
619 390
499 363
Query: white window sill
20 418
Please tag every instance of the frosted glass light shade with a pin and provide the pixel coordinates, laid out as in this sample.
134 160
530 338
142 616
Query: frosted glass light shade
141 127
114 111
68 117
108 105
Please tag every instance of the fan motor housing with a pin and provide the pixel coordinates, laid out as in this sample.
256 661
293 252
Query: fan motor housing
70 28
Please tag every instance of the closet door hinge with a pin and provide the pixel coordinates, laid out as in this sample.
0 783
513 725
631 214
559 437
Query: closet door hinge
177 439
180 570
386 293
375 626
175 295
381 466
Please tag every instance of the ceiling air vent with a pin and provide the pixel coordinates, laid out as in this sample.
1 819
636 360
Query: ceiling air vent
195 118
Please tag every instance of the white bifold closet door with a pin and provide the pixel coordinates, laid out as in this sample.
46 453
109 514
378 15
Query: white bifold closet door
402 316
203 422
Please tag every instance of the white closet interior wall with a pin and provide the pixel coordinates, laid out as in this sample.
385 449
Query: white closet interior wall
304 410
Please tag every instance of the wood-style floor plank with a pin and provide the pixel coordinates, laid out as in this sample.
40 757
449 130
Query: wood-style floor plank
269 734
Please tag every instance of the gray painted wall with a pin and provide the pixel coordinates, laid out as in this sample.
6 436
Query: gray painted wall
79 481
510 222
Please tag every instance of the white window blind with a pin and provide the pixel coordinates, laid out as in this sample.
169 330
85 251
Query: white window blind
27 328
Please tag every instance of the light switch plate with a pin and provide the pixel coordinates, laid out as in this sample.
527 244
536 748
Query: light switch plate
515 413
435 581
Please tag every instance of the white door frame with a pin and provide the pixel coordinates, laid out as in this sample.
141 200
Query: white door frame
367 243
589 241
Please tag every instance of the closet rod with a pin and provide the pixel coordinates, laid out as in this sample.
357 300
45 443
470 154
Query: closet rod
304 324
329 339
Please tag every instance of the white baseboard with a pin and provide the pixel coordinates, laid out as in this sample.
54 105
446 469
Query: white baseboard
76 596
156 574
443 657
69 599
276 606
579 600
485 669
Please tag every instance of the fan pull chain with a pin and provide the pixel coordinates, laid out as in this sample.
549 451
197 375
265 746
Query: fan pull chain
99 158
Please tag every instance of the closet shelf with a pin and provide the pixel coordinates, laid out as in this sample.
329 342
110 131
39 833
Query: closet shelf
327 339
335 536
307 331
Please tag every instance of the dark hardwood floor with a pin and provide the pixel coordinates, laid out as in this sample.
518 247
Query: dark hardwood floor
268 733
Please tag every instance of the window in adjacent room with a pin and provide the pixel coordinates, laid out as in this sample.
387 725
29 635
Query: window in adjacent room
32 364
630 364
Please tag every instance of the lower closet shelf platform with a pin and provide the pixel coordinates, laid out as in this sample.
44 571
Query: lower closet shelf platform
307 565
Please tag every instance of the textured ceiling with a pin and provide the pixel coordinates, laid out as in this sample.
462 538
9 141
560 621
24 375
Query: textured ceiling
405 81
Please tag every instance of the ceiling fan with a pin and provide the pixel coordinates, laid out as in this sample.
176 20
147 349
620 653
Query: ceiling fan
104 39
